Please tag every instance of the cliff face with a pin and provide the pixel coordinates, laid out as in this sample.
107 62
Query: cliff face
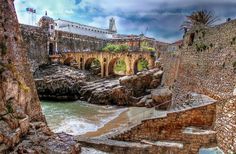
17 86
19 103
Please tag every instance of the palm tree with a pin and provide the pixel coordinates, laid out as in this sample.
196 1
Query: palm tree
202 17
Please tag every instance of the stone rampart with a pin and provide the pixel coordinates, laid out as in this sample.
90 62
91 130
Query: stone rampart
35 40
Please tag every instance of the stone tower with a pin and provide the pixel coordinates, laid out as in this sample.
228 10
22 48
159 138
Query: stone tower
46 21
112 25
48 25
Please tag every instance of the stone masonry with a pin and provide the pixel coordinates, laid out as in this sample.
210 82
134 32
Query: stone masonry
173 128
226 125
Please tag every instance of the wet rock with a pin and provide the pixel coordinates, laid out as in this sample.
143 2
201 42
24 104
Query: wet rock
58 82
139 83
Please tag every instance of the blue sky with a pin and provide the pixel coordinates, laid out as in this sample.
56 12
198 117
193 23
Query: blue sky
162 17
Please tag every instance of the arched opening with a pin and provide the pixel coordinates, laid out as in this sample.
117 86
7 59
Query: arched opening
81 63
93 65
68 61
140 65
117 67
51 49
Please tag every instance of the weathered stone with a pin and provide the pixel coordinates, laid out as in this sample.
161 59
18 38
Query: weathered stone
162 97
24 125
18 96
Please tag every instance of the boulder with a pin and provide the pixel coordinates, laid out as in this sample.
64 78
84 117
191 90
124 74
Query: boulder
161 96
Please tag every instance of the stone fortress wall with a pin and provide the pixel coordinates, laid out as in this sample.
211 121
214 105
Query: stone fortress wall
37 42
207 64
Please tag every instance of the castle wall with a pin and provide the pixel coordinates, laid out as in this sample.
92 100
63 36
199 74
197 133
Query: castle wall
35 40
73 42
205 65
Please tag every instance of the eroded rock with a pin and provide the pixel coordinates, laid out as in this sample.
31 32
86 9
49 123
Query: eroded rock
161 97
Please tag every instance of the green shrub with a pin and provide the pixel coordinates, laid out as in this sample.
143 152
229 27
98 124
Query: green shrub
115 48
142 64
201 47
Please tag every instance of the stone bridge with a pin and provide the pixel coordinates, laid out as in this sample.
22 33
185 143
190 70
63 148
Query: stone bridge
107 60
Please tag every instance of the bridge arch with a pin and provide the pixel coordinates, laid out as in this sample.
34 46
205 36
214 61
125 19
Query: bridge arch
69 60
120 64
93 64
140 64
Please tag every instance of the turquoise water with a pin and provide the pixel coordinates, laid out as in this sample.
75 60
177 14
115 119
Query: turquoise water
214 150
77 118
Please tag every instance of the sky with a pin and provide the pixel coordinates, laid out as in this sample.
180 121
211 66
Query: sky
160 19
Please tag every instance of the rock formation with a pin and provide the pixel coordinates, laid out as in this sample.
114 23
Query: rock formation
60 82
19 103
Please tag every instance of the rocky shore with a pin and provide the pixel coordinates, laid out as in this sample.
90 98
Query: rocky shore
63 83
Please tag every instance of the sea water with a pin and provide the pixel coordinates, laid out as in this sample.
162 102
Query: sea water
77 118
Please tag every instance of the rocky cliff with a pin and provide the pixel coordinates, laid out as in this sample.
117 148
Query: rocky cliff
19 104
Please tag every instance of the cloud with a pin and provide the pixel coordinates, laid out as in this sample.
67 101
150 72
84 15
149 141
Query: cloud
55 9
163 18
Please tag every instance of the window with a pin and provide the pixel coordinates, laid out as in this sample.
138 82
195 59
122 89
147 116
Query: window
52 27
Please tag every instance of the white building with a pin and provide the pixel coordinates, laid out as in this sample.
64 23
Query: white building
77 28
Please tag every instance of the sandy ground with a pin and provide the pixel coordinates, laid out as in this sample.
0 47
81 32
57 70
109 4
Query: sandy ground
133 115
120 121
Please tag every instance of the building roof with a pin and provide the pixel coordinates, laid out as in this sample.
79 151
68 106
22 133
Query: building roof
77 28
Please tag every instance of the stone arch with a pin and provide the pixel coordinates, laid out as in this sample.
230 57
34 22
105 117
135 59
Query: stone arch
136 63
112 64
88 65
89 61
69 60
81 62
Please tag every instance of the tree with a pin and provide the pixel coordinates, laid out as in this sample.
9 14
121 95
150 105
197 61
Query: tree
202 17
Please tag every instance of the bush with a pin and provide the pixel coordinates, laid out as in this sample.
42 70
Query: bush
142 64
115 48
201 47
